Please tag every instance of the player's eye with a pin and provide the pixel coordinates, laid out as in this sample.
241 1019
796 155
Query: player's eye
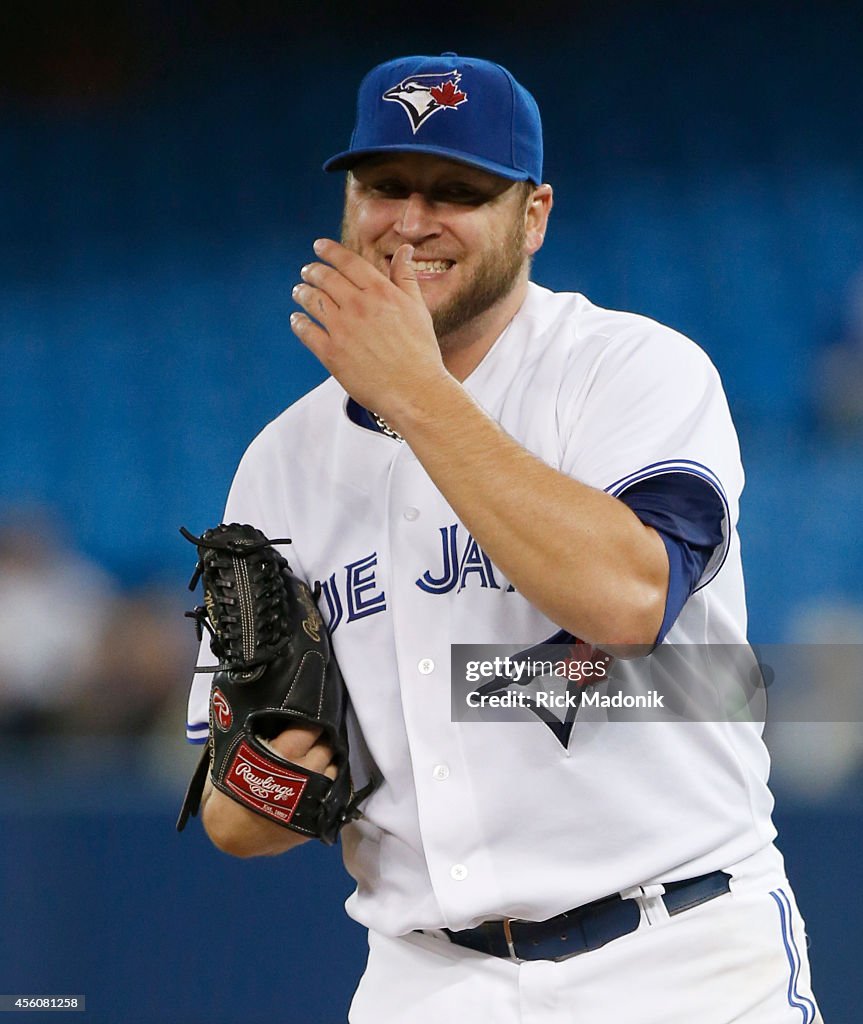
464 195
390 189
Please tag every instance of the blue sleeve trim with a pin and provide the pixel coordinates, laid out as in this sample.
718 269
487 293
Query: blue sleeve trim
197 732
690 513
669 466
695 470
683 506
685 566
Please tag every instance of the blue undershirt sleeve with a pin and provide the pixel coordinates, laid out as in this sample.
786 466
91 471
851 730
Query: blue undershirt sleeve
687 512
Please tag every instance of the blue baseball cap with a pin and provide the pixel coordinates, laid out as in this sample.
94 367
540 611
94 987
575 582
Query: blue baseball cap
462 108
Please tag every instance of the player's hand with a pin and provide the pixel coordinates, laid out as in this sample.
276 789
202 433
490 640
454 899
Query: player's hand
373 333
304 747
235 829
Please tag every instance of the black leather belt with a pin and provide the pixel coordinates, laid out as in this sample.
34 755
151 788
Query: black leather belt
586 928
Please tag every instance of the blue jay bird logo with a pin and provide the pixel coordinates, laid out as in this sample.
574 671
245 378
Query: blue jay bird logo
420 96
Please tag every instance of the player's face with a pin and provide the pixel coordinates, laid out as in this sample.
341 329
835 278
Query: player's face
468 229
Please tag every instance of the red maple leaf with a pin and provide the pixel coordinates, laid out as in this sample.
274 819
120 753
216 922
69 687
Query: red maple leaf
448 95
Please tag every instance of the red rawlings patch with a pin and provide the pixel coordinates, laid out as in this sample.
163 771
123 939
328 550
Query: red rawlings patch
222 714
259 783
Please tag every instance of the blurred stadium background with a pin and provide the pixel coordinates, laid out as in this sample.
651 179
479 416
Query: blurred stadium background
160 190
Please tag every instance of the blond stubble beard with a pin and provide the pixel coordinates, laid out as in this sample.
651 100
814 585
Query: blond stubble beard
493 279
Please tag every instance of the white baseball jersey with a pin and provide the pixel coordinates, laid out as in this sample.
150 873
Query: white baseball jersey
482 820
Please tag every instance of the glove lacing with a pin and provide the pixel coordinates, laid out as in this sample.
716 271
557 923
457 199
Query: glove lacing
247 616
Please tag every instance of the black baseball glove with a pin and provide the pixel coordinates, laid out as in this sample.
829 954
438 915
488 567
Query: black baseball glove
276 669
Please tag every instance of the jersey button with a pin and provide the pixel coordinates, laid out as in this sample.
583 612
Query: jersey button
411 513
458 872
441 772
426 666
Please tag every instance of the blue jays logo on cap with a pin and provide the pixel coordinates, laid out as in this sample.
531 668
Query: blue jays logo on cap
424 95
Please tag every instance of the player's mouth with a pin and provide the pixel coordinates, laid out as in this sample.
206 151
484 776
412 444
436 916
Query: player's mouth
431 266
428 268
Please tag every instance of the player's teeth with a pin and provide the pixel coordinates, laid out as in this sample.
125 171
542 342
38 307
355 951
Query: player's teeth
436 266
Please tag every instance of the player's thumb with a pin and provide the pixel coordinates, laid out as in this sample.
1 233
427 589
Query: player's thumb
402 272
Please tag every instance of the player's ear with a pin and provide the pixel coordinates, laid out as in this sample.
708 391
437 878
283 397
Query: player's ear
536 214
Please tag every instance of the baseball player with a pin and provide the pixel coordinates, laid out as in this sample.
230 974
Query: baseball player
494 463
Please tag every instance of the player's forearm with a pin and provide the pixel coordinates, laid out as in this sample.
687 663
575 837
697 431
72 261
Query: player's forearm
579 555
235 830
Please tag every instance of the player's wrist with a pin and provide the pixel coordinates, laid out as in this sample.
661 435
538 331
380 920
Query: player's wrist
432 400
239 832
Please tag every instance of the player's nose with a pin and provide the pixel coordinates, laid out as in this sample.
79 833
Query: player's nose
417 219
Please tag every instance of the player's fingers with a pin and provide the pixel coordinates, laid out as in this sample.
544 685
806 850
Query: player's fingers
312 335
295 742
315 302
303 745
403 274
320 759
329 280
350 264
